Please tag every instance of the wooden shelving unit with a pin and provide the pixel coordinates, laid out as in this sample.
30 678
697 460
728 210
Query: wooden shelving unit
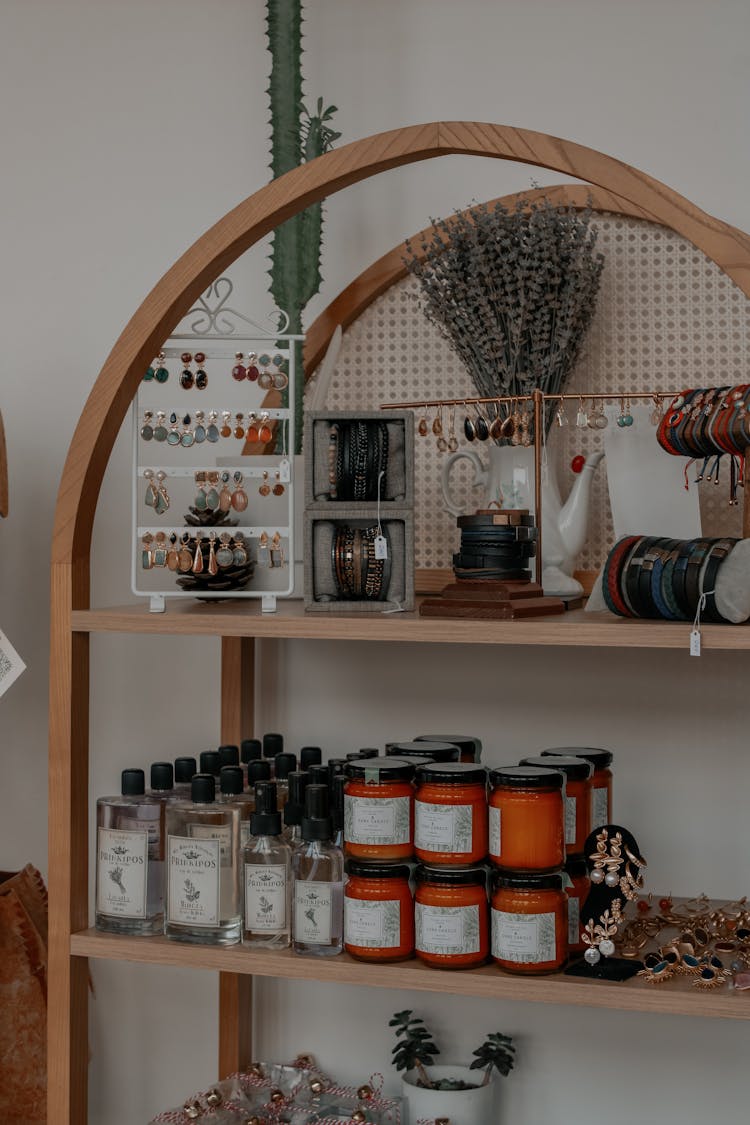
73 622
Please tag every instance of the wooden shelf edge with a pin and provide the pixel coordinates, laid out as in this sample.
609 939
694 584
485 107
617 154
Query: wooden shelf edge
577 629
674 998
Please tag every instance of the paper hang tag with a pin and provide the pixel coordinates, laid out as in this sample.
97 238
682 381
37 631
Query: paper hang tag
285 471
381 547
11 665
695 642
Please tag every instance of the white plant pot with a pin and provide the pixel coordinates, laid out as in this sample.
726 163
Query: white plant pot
299 524
462 1107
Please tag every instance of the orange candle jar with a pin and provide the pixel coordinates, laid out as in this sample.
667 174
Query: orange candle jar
529 922
527 818
469 747
601 779
451 921
577 797
379 809
378 911
577 890
450 813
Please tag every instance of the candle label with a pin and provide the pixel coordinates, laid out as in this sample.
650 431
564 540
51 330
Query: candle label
372 925
442 828
574 921
313 911
193 874
570 820
376 820
265 897
220 832
448 930
526 939
122 858
495 832
598 808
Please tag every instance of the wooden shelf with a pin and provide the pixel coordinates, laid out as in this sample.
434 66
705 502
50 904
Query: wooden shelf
230 619
677 997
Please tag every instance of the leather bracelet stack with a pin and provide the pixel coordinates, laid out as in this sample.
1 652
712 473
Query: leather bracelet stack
358 454
649 576
357 573
704 424
495 544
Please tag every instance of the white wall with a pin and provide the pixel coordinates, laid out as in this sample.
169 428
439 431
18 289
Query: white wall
127 129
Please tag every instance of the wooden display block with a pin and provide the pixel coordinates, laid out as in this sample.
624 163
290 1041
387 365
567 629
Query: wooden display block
488 599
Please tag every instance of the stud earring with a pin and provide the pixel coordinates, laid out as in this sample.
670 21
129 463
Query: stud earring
265 487
212 430
152 495
239 371
213 566
201 378
225 496
147 430
199 433
160 430
239 496
278 488
265 433
197 567
162 499
187 379
157 370
251 433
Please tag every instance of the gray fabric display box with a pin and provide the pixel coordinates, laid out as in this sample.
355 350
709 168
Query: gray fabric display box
398 486
321 593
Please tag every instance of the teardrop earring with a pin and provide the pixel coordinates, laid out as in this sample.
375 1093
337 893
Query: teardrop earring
212 430
197 566
239 496
199 501
187 379
470 432
151 494
212 496
225 496
422 427
162 499
251 433
452 439
213 566
185 555
173 435
265 433
199 433
201 378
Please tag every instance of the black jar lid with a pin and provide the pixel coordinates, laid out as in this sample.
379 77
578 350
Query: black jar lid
203 789
285 762
229 755
529 880
250 750
258 769
132 783
452 773
475 875
368 870
600 759
273 744
438 751
466 743
575 866
210 762
231 780
185 769
379 771
528 777
575 769
162 776
310 756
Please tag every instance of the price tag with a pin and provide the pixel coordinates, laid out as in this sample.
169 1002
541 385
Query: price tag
381 547
285 473
695 642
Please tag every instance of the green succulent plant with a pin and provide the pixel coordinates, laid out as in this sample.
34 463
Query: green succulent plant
415 1049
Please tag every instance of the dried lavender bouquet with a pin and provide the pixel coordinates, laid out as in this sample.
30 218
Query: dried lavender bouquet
512 291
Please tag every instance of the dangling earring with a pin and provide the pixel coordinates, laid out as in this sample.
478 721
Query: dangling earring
422 427
187 437
159 554
252 370
185 555
224 555
200 497
201 378
160 430
212 496
239 550
276 549
265 487
470 431
157 370
187 379
226 429
262 546
147 560
265 379
265 433
280 378
560 415
239 496
239 429
212 432
152 496
452 439
225 496
147 430
200 430
162 500
239 371
251 434
197 566
213 566
655 415
278 488
173 436
172 556
437 422
442 444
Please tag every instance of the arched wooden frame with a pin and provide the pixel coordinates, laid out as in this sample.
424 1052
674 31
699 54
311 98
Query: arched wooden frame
97 430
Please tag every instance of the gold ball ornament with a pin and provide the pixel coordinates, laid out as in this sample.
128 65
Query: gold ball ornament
364 1093
213 1098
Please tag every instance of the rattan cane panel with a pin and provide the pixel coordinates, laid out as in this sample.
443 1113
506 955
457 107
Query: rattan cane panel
667 318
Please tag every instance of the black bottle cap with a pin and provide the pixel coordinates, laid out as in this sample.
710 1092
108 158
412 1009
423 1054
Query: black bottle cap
231 780
379 771
335 766
451 876
316 823
318 775
229 755
250 749
528 880
368 869
295 805
368 752
210 762
273 744
575 769
528 777
337 802
310 756
162 775
185 770
438 751
258 770
266 820
468 746
451 773
600 759
203 789
133 783
285 763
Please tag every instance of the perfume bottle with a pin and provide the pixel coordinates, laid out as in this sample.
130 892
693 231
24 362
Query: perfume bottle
130 859
295 807
229 755
335 767
251 749
337 809
162 780
318 869
232 792
284 763
210 762
318 775
273 744
310 756
185 770
267 875
203 885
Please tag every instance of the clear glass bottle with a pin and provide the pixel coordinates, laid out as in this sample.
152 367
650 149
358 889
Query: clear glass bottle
130 859
294 809
318 868
203 882
162 781
185 770
337 808
233 792
267 875
284 764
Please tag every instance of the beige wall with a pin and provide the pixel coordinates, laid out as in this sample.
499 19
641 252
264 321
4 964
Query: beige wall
127 129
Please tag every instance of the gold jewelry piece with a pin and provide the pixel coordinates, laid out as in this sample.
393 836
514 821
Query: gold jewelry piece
608 859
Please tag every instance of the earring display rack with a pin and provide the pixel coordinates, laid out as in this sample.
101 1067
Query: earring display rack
208 429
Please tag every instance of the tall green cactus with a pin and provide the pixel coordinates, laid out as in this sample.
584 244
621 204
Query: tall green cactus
296 137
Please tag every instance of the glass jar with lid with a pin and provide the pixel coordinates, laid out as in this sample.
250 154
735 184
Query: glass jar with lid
378 911
450 813
469 747
451 923
527 818
529 921
577 887
433 751
601 779
577 773
379 809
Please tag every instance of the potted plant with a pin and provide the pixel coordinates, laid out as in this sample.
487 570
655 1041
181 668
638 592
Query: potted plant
452 1092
